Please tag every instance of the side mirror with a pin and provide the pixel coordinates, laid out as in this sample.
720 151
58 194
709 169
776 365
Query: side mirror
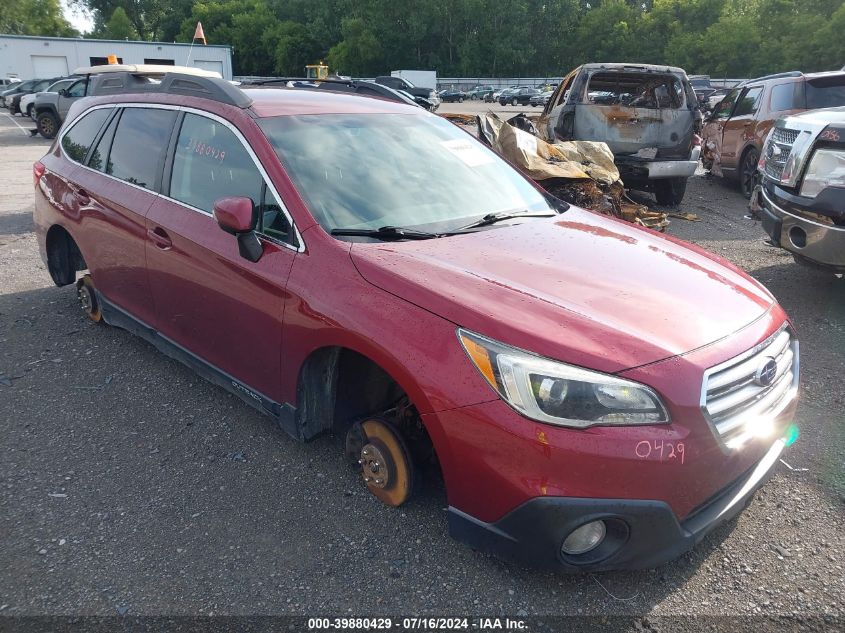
238 216
63 92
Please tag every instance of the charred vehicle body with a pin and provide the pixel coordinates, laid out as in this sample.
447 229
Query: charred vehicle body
801 200
648 115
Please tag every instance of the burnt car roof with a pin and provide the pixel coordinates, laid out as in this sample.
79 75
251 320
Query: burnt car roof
633 67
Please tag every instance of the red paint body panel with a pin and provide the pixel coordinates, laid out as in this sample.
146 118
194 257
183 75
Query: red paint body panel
581 288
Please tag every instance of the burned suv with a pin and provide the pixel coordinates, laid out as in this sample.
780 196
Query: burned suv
802 197
647 115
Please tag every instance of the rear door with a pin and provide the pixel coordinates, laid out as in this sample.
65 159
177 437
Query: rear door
222 308
114 190
739 130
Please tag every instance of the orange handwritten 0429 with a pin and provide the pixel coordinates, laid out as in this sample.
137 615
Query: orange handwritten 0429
660 450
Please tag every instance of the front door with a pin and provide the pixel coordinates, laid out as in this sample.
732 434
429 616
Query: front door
220 307
740 128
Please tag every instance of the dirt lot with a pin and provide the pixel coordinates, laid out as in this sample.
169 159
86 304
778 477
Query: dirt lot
129 485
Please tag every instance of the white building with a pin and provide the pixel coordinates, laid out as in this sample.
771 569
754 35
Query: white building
28 57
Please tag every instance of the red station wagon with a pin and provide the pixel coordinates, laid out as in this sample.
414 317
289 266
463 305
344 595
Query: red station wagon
596 395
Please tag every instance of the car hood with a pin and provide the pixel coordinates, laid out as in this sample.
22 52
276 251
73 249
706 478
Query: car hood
580 287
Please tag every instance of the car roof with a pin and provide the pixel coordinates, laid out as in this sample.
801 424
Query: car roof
268 102
634 67
146 69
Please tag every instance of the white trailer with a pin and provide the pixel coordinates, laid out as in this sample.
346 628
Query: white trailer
420 78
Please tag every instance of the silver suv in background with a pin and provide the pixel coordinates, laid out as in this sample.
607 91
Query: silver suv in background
648 115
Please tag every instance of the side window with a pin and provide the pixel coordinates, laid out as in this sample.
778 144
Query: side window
77 89
783 97
726 105
210 163
101 151
139 145
79 138
748 102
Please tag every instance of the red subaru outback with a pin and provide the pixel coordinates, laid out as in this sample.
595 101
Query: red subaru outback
595 394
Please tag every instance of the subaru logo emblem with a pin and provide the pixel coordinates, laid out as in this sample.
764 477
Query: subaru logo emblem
766 372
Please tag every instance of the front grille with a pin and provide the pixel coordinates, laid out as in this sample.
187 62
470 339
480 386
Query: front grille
777 150
744 392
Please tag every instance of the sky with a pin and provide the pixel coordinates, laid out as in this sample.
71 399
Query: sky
80 20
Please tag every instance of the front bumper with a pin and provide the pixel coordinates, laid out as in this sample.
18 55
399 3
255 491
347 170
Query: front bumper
640 533
823 244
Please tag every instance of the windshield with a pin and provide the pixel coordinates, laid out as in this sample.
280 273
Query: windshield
366 171
827 92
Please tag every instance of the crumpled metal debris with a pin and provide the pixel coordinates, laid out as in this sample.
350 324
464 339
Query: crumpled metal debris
579 172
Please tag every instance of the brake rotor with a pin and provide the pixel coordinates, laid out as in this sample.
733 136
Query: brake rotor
385 463
88 298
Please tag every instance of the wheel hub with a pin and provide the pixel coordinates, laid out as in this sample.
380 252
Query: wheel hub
374 466
84 296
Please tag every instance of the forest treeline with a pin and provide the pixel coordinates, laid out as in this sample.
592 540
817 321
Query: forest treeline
474 38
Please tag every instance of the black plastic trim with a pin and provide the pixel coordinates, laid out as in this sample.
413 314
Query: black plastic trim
534 531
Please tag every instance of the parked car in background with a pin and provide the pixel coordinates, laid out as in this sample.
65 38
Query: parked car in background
50 108
518 96
714 98
540 99
648 116
38 86
277 242
398 83
801 200
452 95
479 92
27 102
11 96
734 133
13 89
7 82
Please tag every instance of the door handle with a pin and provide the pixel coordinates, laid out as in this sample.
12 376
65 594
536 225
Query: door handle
160 238
746 124
80 194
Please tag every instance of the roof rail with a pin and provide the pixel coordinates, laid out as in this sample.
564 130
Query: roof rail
356 86
791 73
212 88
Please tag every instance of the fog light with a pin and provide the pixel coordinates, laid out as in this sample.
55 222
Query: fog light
587 537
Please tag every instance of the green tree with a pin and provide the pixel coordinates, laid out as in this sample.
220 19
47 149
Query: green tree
119 26
34 17
359 52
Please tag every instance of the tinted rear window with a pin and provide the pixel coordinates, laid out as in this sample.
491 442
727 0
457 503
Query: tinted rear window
139 145
635 90
827 92
78 139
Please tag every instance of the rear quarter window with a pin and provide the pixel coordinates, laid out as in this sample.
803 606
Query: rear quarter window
78 139
784 97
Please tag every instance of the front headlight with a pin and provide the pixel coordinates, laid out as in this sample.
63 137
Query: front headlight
557 393
826 169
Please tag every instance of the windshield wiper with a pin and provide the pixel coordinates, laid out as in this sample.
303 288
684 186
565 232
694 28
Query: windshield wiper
388 233
492 218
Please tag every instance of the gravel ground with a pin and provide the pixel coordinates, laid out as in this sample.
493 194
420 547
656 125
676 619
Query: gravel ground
130 486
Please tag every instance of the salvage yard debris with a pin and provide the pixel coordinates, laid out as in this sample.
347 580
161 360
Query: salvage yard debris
579 172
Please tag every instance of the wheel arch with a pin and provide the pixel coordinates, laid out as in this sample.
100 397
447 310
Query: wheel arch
64 257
